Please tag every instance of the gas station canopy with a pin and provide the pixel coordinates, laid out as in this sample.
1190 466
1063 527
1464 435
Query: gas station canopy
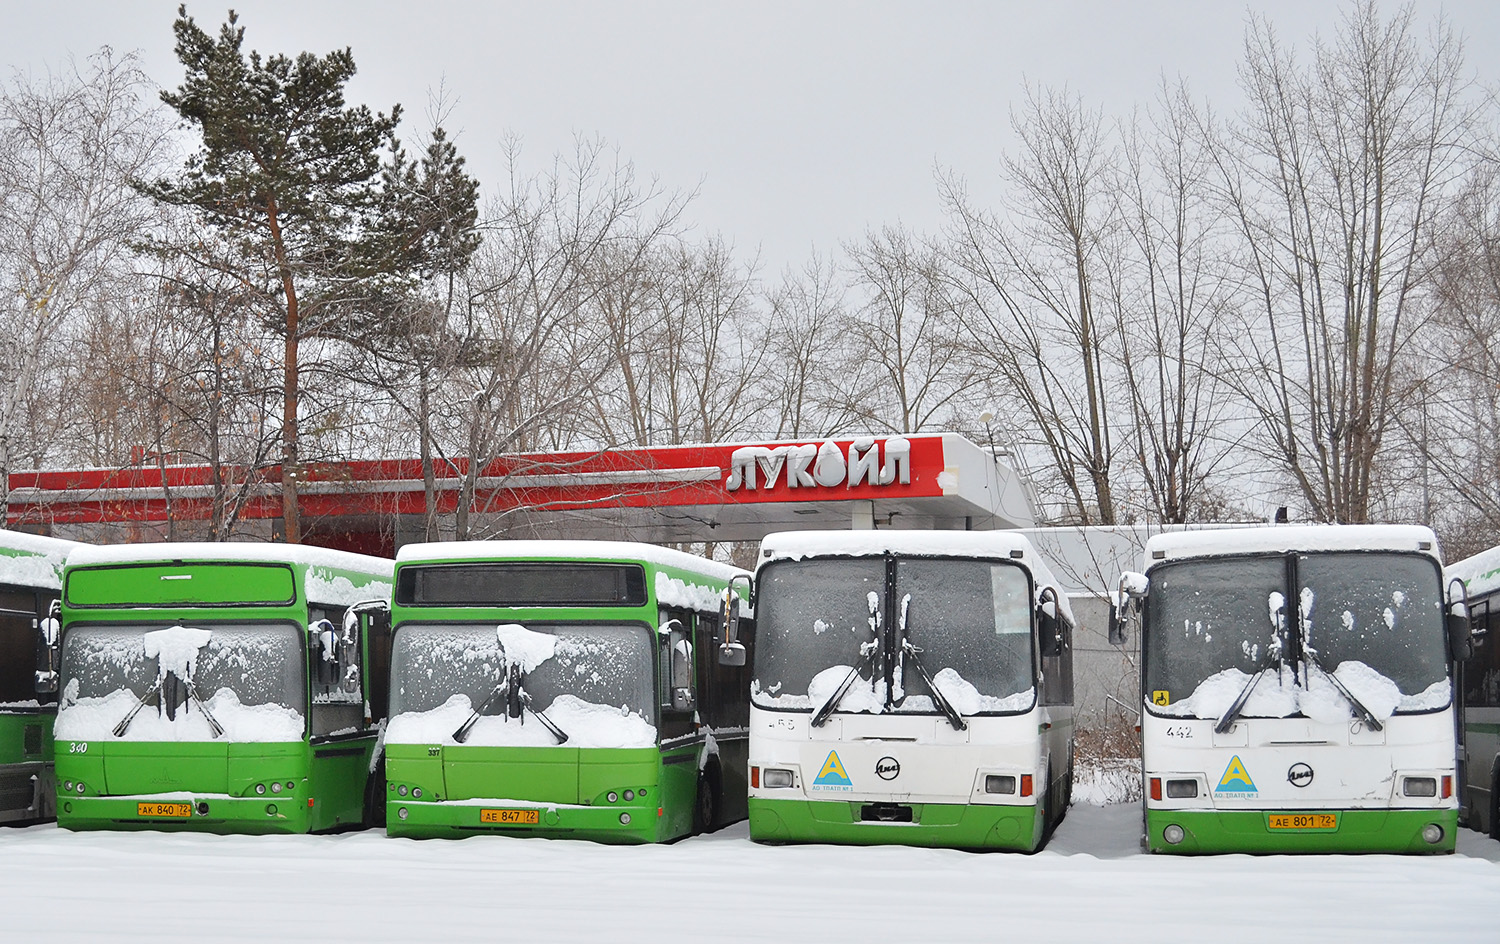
660 494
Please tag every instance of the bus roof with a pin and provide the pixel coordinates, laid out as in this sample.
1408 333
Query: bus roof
254 551
796 545
33 560
1480 573
1287 538
462 551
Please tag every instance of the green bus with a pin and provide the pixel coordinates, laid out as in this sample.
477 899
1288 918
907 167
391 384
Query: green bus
573 689
30 577
228 688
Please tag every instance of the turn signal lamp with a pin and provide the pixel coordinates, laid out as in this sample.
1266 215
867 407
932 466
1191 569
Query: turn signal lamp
1447 786
1026 785
1156 788
755 778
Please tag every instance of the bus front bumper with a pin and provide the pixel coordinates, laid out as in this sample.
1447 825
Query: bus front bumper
1220 831
940 825
207 813
623 823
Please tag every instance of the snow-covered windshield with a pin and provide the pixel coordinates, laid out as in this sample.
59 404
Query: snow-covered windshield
249 677
1371 621
970 621
593 680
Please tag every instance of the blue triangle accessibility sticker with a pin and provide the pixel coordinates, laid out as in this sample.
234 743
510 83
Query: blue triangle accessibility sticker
832 774
1236 778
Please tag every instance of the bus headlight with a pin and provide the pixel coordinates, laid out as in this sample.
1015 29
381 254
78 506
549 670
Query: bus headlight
1432 833
1172 834
1420 787
1182 789
776 778
999 783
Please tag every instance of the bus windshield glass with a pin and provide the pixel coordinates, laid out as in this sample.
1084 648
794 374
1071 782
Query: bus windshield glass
966 624
1361 632
180 683
592 681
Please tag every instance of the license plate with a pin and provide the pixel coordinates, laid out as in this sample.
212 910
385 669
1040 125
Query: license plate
510 817
1304 821
164 809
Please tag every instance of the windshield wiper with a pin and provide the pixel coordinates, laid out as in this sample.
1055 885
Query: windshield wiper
462 734
518 702
867 652
907 649
1278 630
119 730
157 689
1364 713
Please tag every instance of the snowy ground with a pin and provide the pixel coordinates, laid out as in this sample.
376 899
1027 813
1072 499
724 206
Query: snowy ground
1092 884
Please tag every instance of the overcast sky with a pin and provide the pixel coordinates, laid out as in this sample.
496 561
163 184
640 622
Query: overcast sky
800 124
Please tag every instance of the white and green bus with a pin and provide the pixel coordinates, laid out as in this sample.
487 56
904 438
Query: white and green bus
1297 690
1480 689
30 578
909 687
564 689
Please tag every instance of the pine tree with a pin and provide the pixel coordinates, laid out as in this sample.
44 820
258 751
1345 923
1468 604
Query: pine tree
289 175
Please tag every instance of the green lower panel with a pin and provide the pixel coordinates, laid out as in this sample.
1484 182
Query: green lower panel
225 815
943 825
439 820
1213 831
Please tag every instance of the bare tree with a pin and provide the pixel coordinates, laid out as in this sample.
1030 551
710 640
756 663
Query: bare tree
70 144
1033 275
1335 177
907 369
806 347
1167 298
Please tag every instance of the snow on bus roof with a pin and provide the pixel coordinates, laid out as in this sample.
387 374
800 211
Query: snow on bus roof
459 551
33 560
1480 573
1286 538
796 545
303 554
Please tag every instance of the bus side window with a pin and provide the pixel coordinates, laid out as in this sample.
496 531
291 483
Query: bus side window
678 689
18 636
333 709
378 663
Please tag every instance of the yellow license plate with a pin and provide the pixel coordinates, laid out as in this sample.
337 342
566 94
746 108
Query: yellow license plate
510 817
1304 821
164 809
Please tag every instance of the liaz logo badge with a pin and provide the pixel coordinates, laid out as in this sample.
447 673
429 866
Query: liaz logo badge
832 776
1236 780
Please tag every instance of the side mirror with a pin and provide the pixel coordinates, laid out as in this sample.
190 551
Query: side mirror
731 650
1460 627
682 699
47 638
1125 608
1047 623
